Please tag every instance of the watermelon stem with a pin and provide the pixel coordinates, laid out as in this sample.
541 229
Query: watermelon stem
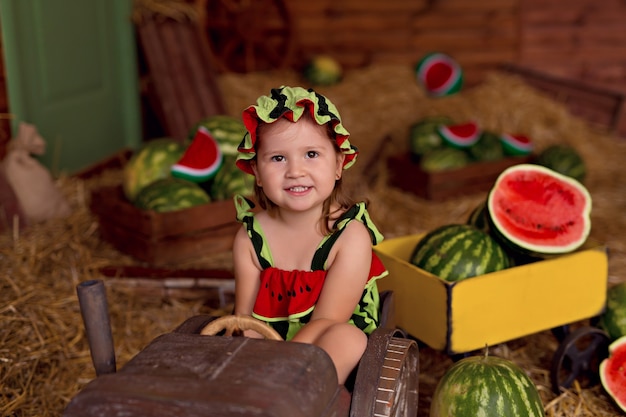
486 350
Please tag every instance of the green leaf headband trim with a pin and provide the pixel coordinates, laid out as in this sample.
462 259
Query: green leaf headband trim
290 103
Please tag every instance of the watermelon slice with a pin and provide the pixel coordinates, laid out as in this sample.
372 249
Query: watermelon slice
202 159
292 296
516 145
439 74
460 136
613 372
539 212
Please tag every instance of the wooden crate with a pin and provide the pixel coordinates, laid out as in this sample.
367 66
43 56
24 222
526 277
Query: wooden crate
477 177
163 238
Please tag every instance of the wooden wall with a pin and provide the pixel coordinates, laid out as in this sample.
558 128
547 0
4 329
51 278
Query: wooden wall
584 40
579 39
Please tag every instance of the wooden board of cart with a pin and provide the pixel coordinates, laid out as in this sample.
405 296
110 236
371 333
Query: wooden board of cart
467 315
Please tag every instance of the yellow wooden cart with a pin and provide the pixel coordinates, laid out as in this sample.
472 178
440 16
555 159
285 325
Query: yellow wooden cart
464 316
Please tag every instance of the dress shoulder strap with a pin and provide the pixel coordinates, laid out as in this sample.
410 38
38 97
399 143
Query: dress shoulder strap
244 207
356 212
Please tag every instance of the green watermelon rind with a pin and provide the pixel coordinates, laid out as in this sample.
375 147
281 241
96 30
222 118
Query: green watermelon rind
423 136
563 159
227 130
613 319
486 386
323 70
455 140
524 248
443 159
617 353
487 148
514 147
171 194
230 180
454 252
150 163
452 85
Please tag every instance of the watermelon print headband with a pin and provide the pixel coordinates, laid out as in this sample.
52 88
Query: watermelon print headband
291 103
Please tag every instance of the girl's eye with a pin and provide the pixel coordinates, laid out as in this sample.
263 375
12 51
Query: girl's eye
311 154
278 158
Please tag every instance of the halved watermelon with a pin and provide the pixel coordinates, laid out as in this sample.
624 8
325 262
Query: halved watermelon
202 159
460 136
516 145
613 372
439 74
539 212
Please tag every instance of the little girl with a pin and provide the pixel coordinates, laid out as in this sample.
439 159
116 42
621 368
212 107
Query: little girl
304 264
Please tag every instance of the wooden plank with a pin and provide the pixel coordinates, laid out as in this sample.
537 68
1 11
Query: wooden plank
157 60
182 73
376 7
454 20
464 5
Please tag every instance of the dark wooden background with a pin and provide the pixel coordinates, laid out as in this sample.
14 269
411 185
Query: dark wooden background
581 40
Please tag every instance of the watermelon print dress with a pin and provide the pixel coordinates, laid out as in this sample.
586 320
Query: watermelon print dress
286 299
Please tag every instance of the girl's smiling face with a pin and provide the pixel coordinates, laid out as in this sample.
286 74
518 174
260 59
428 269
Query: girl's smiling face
297 164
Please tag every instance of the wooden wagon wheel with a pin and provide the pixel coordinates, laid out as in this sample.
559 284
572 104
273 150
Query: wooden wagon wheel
249 35
387 378
234 325
578 358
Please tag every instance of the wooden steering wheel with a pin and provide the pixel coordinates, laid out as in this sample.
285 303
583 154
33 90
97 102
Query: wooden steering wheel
234 325
248 35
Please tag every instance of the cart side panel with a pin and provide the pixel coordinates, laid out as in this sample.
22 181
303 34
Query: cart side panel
519 301
421 298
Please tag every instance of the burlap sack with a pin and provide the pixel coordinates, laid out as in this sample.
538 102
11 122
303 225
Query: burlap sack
32 183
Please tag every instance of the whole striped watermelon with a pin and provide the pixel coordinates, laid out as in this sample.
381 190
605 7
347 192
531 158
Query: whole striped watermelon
423 136
230 180
458 251
613 319
150 163
443 159
487 386
228 131
563 159
170 194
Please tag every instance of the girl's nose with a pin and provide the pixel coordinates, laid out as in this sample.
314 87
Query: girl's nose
294 169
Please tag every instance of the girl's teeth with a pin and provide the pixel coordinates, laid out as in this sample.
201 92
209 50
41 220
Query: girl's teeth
298 189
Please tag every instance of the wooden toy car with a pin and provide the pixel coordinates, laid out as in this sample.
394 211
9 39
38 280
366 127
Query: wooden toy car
194 372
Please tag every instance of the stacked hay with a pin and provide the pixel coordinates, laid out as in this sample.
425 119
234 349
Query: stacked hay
44 357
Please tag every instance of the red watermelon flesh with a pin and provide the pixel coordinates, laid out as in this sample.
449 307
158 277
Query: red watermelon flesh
287 294
613 372
202 159
539 210
461 135
439 74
